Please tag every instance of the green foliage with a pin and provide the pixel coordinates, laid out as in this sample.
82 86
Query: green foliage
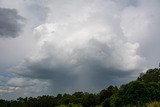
131 93
108 92
70 105
89 100
136 93
152 75
106 103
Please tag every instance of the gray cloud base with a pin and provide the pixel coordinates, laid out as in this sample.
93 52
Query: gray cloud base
10 23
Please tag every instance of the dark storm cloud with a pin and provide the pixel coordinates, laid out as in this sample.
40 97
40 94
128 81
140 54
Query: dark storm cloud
10 23
88 75
110 76
96 79
59 76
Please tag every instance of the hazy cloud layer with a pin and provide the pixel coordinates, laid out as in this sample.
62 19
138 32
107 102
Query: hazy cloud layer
86 45
10 23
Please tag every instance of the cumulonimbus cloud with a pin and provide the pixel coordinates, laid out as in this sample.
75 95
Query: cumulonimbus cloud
75 52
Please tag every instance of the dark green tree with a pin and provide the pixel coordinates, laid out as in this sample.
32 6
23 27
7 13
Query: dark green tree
152 75
107 93
136 93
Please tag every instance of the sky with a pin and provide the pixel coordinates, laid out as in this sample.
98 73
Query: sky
62 46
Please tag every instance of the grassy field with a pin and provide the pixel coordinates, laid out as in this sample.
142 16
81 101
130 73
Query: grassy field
74 105
71 105
154 104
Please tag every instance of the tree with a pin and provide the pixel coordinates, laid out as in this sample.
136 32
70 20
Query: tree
152 75
107 93
132 93
89 100
106 103
78 97
136 93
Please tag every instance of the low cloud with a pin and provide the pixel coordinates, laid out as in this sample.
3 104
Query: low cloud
8 89
10 23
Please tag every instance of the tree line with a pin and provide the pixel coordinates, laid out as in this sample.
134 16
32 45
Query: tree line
145 89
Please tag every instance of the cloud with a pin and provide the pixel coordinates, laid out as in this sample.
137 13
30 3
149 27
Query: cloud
84 50
140 24
19 82
7 89
39 12
24 87
10 23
